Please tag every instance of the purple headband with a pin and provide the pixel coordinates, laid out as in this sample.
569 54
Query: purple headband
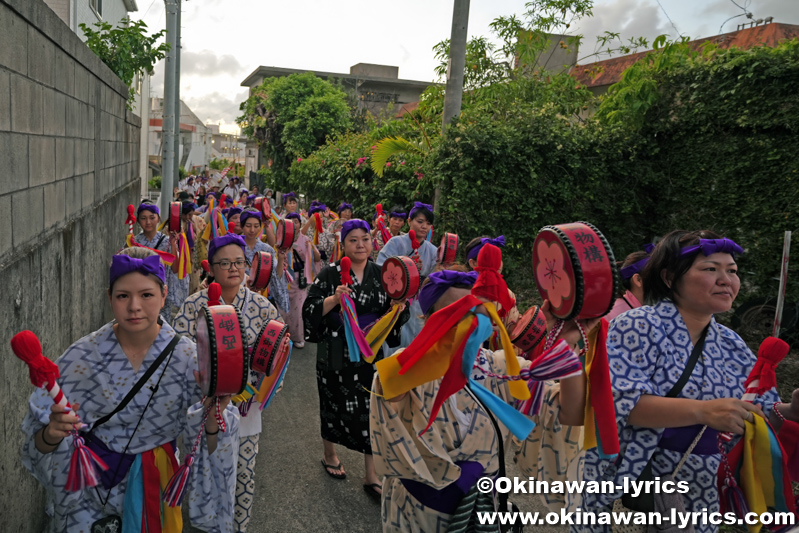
636 268
318 208
233 211
294 215
228 200
355 223
124 264
188 207
713 246
247 215
344 206
439 282
224 240
394 214
419 205
499 241
148 207
250 198
288 196
243 190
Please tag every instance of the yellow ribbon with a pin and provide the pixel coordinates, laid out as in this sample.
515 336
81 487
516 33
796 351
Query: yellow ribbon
518 389
380 331
589 428
171 517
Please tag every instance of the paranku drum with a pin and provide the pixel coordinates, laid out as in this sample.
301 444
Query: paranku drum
448 250
285 236
222 354
271 346
260 271
575 270
264 207
529 330
400 277
174 216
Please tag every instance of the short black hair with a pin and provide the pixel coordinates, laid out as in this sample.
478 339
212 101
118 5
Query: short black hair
666 258
397 209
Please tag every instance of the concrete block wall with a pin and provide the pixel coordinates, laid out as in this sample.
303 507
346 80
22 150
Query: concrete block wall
68 169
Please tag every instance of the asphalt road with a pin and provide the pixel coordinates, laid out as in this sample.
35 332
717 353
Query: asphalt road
293 493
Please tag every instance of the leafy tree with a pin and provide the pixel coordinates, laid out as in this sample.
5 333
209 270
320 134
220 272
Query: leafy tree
292 116
126 49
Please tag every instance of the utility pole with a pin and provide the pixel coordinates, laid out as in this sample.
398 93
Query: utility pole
457 63
168 180
177 94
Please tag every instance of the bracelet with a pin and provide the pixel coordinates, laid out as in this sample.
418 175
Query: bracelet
45 440
214 433
777 411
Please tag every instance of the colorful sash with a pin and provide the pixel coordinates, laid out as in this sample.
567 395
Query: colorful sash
600 410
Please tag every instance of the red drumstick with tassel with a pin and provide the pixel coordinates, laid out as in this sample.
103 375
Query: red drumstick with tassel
131 220
43 373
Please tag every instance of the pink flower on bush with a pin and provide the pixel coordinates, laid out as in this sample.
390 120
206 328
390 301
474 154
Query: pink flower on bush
361 161
299 160
374 147
550 272
388 164
402 162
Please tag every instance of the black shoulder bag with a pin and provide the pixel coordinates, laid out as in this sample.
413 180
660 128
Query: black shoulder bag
645 502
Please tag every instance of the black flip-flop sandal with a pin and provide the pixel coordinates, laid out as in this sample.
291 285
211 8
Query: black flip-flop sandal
333 467
370 490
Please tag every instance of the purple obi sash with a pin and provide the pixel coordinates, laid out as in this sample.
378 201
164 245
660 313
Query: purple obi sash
446 500
118 463
679 439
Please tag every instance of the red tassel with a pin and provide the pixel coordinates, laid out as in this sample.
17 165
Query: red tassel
206 266
490 284
83 467
346 264
772 351
231 226
415 244
27 347
214 294
178 486
222 201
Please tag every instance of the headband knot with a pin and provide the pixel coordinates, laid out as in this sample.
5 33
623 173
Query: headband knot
124 264
713 246
355 223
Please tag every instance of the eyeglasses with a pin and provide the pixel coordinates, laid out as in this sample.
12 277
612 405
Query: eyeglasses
225 265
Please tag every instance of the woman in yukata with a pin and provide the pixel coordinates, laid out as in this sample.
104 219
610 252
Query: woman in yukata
420 220
252 227
302 274
430 476
690 277
96 373
344 385
149 218
226 254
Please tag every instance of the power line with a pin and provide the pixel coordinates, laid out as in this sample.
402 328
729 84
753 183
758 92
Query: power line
669 18
148 9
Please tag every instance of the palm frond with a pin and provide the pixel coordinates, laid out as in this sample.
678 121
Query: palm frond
390 146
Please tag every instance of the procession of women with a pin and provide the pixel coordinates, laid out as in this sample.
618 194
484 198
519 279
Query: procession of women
427 366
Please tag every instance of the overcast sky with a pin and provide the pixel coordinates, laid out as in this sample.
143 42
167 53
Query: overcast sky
225 40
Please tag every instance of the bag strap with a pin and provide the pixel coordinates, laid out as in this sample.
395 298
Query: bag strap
160 240
140 383
689 367
688 451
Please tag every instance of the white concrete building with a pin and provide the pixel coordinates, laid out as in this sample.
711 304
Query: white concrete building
195 148
89 12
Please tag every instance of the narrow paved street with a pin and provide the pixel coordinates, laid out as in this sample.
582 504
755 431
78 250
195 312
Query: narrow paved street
293 493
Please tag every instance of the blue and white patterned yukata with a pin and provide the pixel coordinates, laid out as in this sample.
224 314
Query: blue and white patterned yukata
177 289
97 374
648 349
278 286
401 245
255 312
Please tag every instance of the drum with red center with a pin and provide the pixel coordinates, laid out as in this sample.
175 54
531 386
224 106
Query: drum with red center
448 249
260 271
285 235
400 277
174 216
575 270
271 347
264 207
222 355
529 330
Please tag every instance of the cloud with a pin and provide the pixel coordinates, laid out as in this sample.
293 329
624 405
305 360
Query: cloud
629 18
207 64
716 13
216 106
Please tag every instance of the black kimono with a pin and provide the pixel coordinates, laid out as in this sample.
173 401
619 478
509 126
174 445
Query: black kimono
344 386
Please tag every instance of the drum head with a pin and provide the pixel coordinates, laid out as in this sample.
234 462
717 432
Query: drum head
260 271
285 236
400 277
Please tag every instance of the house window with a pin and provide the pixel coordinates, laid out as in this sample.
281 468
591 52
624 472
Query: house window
97 6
